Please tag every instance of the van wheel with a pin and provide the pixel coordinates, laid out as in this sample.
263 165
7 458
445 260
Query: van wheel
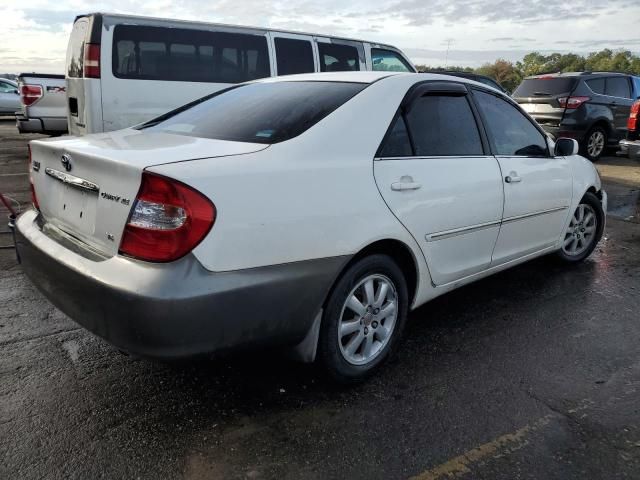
363 319
595 143
584 230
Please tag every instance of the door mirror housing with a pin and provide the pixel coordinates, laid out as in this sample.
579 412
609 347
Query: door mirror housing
565 147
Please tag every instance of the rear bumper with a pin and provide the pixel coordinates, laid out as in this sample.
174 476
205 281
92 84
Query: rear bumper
41 125
630 148
177 309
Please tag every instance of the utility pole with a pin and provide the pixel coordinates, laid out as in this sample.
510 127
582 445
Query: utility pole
446 58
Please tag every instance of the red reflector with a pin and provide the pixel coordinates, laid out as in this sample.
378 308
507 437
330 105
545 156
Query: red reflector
167 221
30 94
34 199
572 102
632 123
91 60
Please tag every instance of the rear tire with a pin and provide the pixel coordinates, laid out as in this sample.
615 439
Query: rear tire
595 143
363 319
584 230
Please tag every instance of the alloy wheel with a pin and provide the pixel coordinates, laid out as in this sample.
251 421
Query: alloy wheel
367 319
595 144
581 232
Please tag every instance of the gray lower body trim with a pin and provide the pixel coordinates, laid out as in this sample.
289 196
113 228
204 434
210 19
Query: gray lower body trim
433 237
177 309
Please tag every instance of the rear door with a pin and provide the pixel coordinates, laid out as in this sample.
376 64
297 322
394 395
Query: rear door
83 95
436 175
618 89
537 186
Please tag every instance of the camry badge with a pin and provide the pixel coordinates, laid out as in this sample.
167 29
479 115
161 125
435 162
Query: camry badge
66 162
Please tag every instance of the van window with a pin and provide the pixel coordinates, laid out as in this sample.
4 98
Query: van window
262 112
75 50
187 55
388 61
335 57
293 56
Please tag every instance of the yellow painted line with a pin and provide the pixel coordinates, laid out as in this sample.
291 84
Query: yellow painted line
458 466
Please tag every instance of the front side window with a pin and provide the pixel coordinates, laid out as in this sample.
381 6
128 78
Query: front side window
257 112
618 87
388 61
335 57
293 56
509 129
188 55
443 126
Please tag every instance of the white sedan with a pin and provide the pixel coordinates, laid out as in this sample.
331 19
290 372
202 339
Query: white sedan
309 212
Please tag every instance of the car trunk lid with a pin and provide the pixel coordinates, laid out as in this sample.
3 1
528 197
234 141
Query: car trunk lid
86 186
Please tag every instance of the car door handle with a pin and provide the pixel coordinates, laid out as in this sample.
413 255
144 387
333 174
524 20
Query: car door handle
512 178
400 186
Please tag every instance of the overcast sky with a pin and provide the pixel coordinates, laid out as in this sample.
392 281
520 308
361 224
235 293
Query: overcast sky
34 34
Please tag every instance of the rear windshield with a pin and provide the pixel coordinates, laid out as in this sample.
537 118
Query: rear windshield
544 87
258 112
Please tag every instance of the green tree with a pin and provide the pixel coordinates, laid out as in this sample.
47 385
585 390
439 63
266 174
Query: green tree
502 71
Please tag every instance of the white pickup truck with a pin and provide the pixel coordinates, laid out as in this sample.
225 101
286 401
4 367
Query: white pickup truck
43 106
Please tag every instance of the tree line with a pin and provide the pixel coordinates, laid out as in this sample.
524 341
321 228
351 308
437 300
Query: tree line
510 74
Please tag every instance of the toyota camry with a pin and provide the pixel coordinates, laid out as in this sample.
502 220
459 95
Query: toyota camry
308 212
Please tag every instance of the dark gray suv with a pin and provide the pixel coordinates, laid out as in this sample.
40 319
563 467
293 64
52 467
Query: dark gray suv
592 107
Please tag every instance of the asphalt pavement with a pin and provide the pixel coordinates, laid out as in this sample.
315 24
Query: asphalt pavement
533 373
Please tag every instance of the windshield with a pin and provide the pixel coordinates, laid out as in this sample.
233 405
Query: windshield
257 112
545 87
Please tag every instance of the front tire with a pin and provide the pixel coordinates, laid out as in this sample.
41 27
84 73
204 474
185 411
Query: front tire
363 319
595 143
584 230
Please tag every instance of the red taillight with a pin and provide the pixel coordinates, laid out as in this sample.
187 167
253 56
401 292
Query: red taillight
572 102
91 59
34 199
30 94
167 221
632 123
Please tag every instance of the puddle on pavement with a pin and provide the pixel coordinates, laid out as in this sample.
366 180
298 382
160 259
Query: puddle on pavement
625 206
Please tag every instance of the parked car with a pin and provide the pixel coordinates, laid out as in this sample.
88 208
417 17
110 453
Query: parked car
249 217
473 76
630 146
591 107
123 70
9 99
43 104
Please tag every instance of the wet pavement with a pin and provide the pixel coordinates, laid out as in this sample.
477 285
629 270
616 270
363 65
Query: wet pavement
533 373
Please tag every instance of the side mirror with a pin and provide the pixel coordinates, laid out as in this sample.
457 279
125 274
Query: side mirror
565 147
16 92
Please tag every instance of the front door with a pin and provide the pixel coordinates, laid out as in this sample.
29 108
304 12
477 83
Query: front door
619 91
537 186
436 176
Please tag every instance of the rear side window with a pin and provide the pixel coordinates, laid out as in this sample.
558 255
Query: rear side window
293 56
335 57
596 85
618 87
388 61
187 55
75 49
397 143
443 126
258 112
509 129
544 87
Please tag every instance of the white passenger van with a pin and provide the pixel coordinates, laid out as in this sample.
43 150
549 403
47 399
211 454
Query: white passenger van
122 70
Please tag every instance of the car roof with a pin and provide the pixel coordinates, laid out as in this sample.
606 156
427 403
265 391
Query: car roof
365 77
577 74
